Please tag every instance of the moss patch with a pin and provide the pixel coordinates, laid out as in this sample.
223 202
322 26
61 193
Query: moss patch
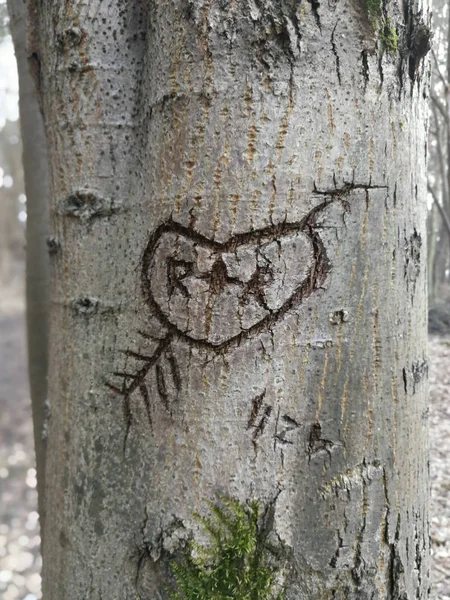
234 564
388 37
381 23
374 10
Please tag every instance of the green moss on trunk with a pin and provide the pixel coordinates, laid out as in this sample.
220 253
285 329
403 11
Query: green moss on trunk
236 564
381 23
388 37
374 9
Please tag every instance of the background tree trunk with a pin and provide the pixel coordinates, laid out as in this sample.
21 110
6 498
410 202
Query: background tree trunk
11 240
11 229
439 173
35 163
431 245
239 292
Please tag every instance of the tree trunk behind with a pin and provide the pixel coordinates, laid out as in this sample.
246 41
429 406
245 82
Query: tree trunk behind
239 292
8 236
35 164
11 229
431 252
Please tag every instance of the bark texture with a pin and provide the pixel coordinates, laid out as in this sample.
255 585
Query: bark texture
238 298
35 164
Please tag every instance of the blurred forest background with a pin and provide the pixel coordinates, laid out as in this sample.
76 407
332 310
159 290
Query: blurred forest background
439 172
12 198
19 528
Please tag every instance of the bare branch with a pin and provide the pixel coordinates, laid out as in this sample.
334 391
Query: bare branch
438 70
440 153
442 212
440 108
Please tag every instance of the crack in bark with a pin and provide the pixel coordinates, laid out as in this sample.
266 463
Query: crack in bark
365 67
415 374
418 555
419 43
335 558
359 568
414 44
279 26
396 568
315 5
143 551
380 70
335 52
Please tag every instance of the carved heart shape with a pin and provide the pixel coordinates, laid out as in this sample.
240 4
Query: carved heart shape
215 293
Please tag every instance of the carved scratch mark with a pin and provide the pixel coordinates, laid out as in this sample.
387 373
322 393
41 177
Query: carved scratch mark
146 398
316 442
256 406
176 375
288 424
136 381
247 283
255 413
180 265
259 429
162 388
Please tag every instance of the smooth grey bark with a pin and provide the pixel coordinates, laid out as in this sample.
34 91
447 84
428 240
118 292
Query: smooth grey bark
239 292
35 164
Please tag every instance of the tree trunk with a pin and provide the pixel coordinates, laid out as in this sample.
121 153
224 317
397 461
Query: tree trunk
8 236
239 292
11 229
35 164
431 252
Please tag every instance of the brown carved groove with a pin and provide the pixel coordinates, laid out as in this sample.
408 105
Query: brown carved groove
312 282
219 277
